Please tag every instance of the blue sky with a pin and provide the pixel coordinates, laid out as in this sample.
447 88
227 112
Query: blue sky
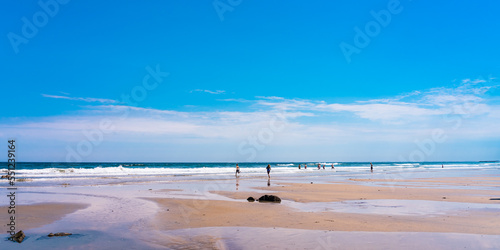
250 81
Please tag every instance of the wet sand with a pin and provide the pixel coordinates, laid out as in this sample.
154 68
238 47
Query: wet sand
37 215
194 213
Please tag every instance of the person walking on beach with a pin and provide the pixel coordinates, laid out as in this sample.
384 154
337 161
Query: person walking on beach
237 170
268 170
371 167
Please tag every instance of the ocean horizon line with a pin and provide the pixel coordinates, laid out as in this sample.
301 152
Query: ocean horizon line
253 162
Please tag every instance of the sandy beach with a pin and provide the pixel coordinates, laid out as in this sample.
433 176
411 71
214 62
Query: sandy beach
208 213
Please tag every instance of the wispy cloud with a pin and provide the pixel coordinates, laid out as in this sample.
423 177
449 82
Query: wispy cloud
475 81
384 112
270 97
216 92
405 108
234 100
467 98
84 99
316 124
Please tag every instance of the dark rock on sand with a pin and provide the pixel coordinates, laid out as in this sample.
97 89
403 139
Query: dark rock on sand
19 236
270 198
250 199
59 234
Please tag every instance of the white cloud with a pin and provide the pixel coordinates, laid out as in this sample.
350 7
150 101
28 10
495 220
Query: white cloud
314 124
234 100
475 81
270 97
216 92
384 112
467 99
85 99
412 108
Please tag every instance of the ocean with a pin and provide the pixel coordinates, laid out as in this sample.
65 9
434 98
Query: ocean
38 173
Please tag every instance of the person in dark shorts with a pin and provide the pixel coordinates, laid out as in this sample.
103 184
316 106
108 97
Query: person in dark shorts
268 170
237 170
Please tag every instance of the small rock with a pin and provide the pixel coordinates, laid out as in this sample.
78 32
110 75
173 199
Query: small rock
444 198
19 236
59 234
250 199
311 182
270 198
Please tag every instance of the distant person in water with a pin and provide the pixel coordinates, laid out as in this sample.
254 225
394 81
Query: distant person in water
299 166
442 166
333 166
237 170
323 166
305 166
371 167
319 166
268 170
